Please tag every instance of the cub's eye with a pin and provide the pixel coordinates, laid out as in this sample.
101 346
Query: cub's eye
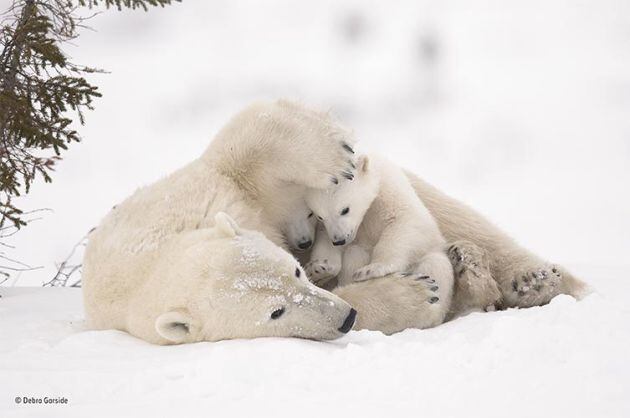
345 211
277 313
297 272
310 215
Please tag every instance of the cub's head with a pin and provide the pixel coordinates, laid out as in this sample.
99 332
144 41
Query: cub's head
298 226
238 284
342 207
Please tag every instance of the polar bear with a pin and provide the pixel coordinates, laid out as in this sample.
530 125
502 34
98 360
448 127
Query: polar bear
144 262
289 214
211 284
168 266
376 226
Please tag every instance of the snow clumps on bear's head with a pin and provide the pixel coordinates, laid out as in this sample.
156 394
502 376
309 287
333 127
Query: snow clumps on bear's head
247 287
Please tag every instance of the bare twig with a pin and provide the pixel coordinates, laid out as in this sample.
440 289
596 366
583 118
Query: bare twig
67 270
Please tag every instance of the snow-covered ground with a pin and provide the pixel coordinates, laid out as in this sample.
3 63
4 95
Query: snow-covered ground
567 359
521 108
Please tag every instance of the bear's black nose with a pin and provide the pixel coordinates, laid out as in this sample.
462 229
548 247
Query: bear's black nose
305 245
349 322
340 242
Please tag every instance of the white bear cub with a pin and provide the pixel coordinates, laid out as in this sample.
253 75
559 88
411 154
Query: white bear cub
287 211
376 226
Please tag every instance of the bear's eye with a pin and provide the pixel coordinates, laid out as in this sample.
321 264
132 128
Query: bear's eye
320 218
277 313
345 211
297 272
310 215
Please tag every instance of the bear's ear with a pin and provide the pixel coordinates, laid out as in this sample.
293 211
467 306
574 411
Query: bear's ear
174 326
364 163
226 225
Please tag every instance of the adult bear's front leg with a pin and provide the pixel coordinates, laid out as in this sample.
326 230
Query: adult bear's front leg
394 303
270 144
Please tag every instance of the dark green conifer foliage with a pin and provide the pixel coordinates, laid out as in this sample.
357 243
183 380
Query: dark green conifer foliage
41 92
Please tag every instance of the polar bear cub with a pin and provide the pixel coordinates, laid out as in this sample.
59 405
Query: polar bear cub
376 225
287 211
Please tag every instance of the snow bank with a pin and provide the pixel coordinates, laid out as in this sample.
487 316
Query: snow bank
565 359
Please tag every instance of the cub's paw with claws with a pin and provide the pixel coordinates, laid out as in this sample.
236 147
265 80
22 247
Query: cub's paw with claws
372 271
321 271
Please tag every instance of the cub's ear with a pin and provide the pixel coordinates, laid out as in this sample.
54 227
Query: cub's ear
226 225
175 326
364 163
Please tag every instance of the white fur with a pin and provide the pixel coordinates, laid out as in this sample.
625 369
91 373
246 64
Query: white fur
287 212
386 229
168 266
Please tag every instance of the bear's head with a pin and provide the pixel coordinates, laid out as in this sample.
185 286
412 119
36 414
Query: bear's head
235 283
298 225
341 208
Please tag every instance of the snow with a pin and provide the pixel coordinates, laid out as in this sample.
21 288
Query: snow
519 108
565 359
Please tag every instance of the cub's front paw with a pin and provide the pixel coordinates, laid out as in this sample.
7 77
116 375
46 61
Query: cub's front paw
321 271
372 271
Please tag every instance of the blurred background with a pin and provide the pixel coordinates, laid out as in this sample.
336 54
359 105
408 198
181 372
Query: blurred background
519 108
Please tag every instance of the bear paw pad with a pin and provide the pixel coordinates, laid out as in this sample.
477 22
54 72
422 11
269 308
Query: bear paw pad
536 287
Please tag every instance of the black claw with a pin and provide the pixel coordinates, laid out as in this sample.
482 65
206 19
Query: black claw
347 148
334 180
514 285
352 164
347 175
434 288
434 299
406 273
422 277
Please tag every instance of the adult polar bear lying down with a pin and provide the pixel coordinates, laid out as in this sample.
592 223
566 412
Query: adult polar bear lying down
167 266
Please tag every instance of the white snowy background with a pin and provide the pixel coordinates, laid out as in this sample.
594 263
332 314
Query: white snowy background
519 108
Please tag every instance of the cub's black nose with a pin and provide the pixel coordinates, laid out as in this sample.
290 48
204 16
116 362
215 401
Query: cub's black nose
305 245
349 322
340 242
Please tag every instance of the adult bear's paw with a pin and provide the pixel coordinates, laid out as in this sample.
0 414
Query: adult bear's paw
475 288
533 286
336 161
